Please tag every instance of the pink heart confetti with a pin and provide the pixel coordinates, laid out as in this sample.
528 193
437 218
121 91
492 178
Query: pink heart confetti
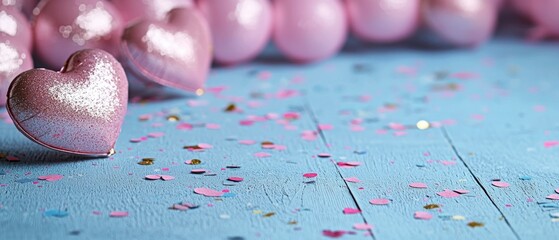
553 197
247 142
448 194
550 144
380 201
418 185
422 215
333 234
152 177
205 146
118 214
198 171
362 226
500 184
351 211
51 178
352 179
310 175
208 192
213 126
156 134
262 155
235 179
167 177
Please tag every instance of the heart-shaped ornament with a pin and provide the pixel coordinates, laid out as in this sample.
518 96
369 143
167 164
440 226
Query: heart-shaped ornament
174 52
78 110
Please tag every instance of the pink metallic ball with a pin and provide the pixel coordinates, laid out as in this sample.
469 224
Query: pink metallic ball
309 30
240 28
546 15
133 10
14 59
383 20
461 22
63 27
14 27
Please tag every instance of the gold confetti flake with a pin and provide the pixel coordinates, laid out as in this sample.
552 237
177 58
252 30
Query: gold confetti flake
173 118
146 161
431 206
195 162
423 125
269 214
193 147
475 224
292 222
266 144
230 108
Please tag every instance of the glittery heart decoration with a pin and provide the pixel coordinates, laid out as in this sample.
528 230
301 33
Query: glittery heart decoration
174 52
78 110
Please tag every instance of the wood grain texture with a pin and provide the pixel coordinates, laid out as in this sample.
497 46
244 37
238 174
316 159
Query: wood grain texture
491 111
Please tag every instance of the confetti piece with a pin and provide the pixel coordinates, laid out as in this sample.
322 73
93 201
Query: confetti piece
550 144
351 211
56 213
557 190
348 164
146 161
118 214
12 159
198 171
310 175
235 179
448 194
352 179
324 155
475 224
152 177
380 201
333 234
525 178
422 215
167 177
553 197
262 155
247 142
205 146
325 127
51 178
193 162
431 206
156 134
208 192
500 184
362 226
418 185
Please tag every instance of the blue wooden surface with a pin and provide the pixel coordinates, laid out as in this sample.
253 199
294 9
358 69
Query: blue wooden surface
492 111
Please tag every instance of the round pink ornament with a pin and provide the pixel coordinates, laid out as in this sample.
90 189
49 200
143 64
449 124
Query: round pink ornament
14 59
133 10
174 52
309 30
461 22
240 28
14 27
383 20
65 26
78 110
546 15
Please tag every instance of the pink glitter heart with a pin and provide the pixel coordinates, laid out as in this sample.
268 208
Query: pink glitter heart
174 52
78 110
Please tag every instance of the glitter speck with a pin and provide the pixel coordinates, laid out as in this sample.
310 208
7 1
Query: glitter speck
199 92
423 125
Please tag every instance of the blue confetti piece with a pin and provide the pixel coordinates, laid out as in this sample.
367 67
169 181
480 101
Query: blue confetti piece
25 180
360 152
525 178
55 213
228 195
420 165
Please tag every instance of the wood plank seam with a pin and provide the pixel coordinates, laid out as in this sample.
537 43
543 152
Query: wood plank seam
449 141
325 142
